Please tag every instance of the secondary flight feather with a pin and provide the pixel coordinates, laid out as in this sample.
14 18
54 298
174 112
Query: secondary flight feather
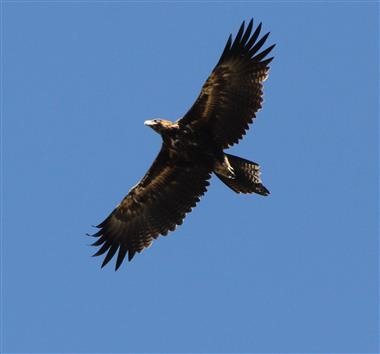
192 149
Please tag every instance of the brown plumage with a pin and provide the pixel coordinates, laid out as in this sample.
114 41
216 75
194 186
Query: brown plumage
192 149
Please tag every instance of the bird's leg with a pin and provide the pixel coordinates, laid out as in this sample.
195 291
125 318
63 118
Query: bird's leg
224 168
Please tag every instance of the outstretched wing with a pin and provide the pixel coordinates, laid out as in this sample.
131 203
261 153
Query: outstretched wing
156 205
233 92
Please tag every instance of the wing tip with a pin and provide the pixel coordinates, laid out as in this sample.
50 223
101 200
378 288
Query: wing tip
245 44
131 254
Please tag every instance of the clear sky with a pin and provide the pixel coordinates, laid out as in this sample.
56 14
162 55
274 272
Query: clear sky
296 271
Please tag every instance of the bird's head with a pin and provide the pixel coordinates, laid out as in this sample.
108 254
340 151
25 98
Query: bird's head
160 125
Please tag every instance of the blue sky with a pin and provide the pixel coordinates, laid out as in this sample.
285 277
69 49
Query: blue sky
293 272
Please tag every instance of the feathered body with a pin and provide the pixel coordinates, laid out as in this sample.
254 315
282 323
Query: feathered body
192 149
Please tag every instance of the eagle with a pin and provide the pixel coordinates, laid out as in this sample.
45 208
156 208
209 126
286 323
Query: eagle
192 150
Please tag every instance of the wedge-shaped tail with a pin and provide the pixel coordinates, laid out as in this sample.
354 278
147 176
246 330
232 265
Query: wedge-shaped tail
246 176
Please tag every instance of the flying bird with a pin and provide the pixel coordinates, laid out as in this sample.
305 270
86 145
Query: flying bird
192 149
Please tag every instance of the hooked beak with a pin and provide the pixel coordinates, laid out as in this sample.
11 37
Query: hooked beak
149 123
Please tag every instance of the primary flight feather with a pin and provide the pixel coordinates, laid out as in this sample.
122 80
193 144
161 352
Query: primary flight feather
192 149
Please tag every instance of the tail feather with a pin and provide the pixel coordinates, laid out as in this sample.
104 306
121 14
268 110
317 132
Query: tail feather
246 176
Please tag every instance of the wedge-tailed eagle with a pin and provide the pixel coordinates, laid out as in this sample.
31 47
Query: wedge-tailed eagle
192 149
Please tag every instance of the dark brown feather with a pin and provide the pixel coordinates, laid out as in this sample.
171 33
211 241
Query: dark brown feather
246 177
232 94
156 205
